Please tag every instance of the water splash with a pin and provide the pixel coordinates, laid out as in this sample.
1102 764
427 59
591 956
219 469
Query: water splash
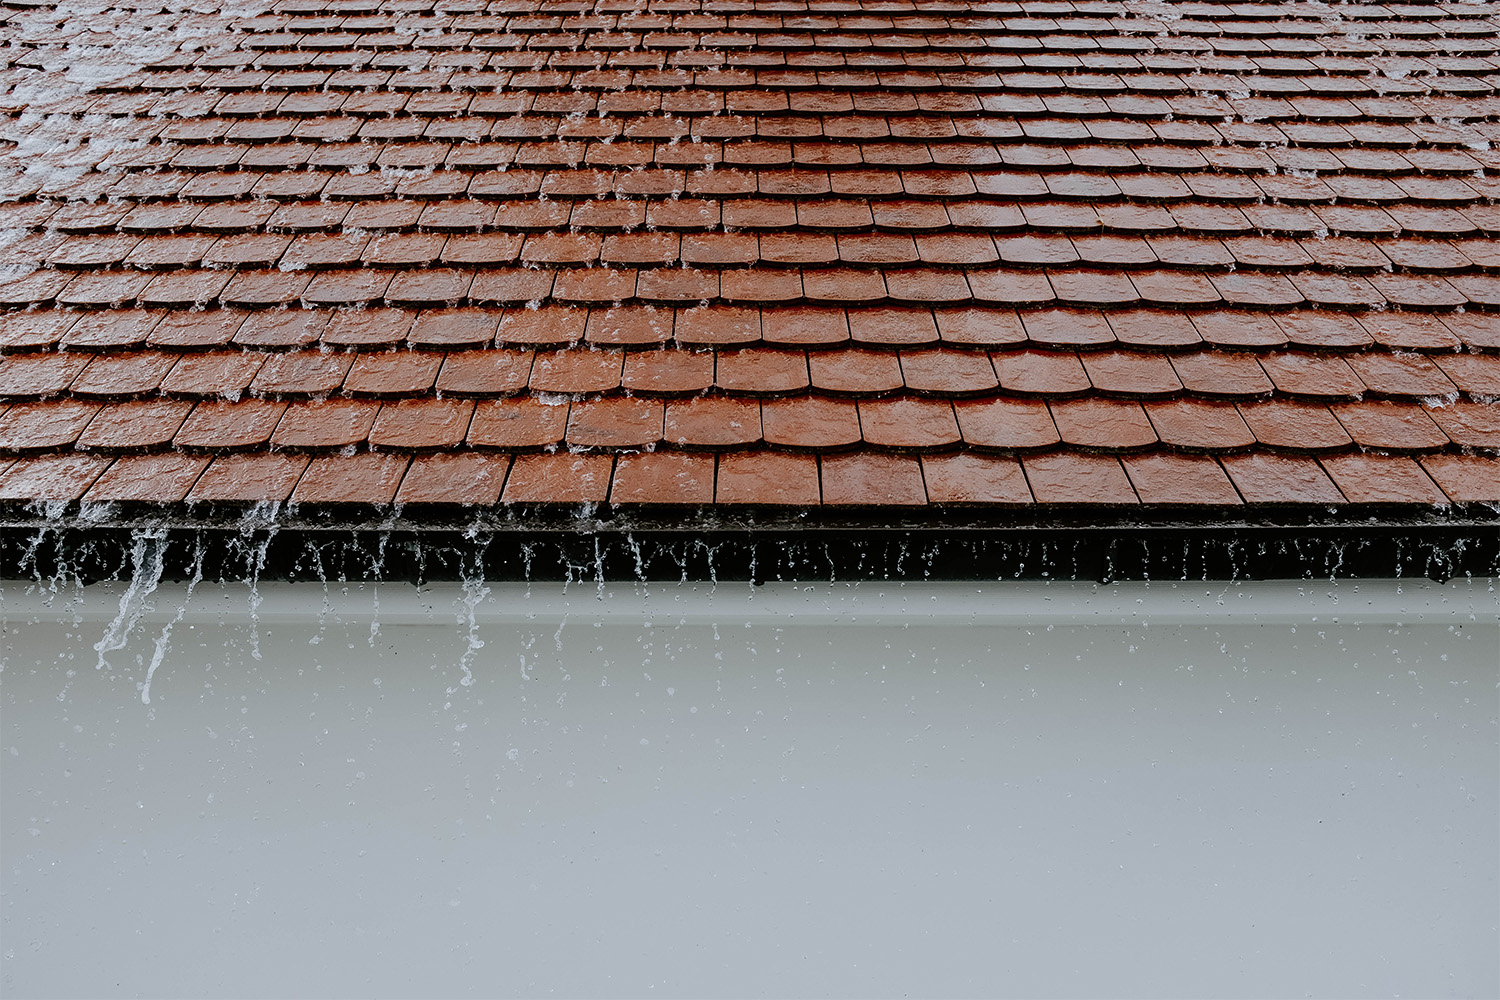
474 590
260 516
30 562
147 552
474 593
377 572
164 641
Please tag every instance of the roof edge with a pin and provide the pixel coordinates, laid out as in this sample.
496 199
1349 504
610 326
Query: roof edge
265 543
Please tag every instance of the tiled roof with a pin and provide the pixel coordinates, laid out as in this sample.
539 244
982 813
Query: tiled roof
891 252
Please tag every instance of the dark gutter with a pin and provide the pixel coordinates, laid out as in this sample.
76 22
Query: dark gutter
236 542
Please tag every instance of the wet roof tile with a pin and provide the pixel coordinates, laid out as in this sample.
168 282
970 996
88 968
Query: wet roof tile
752 252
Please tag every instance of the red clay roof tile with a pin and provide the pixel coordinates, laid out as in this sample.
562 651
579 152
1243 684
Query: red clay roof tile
712 422
908 424
1390 426
1051 374
1312 375
393 373
663 477
1373 478
162 478
1077 478
1287 425
870 479
668 372
762 477
1264 478
467 478
577 371
517 424
1153 327
855 371
619 422
979 327
1127 373
327 425
484 373
1465 477
365 478
948 373
196 331
36 427
970 478
1179 479
137 425
768 372
222 426
301 373
717 325
1243 221
560 477
1103 424
1006 425
1198 425
810 423
1469 424
213 373
421 424
37 376
368 329
1239 329
892 327
1067 328
51 477
249 478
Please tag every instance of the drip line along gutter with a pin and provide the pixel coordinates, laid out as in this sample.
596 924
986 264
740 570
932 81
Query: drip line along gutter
273 542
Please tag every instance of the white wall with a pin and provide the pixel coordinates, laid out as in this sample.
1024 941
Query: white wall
938 790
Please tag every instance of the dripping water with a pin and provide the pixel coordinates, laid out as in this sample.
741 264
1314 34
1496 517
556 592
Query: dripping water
163 641
258 528
147 554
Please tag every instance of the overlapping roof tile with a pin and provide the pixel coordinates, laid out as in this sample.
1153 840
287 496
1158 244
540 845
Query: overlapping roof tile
739 252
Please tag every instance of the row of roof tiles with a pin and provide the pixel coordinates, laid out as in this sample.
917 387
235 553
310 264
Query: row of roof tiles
712 423
1269 20
732 30
495 33
891 198
810 112
1067 66
1043 8
837 143
1092 287
469 234
673 372
1129 200
757 477
1329 67
1418 19
716 73
1404 66
115 230
741 31
500 171
122 329
1238 52
1276 12
333 144
431 47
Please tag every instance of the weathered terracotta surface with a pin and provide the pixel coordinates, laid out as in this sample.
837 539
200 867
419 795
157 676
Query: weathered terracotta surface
753 251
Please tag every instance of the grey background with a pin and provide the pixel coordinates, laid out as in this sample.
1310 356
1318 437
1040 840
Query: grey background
924 790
